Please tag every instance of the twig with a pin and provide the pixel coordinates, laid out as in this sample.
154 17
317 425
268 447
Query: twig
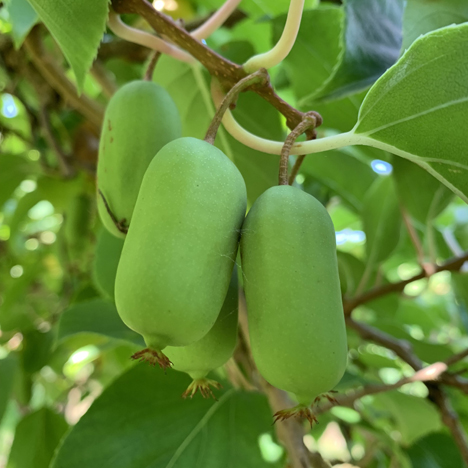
403 350
227 72
259 76
429 373
450 419
427 267
453 264
456 357
53 73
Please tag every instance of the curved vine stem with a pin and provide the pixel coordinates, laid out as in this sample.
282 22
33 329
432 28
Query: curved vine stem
274 147
260 76
310 121
122 30
284 45
216 20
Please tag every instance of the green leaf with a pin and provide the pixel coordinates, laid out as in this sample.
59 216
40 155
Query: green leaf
315 51
106 261
346 172
372 41
96 317
36 438
419 192
36 350
414 417
78 27
8 369
22 18
423 16
381 220
141 421
417 109
435 451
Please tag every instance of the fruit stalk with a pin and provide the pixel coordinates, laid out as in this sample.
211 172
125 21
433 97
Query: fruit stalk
259 77
311 120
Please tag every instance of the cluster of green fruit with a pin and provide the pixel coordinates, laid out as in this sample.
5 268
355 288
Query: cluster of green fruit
183 203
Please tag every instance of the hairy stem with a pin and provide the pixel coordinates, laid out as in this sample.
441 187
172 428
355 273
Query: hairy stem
285 44
310 121
229 100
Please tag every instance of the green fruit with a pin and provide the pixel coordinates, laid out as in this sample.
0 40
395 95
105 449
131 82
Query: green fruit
106 260
140 119
213 350
292 288
179 253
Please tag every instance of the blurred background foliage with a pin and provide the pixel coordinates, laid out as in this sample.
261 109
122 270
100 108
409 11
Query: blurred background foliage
61 342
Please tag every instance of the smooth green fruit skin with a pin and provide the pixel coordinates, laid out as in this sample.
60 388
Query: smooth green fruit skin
292 288
180 250
140 119
217 346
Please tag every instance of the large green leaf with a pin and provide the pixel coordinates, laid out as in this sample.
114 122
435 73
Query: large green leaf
381 220
423 16
435 451
96 317
22 18
372 41
36 438
140 421
414 417
418 109
422 194
315 51
78 27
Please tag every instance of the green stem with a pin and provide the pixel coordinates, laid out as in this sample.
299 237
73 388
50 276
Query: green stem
274 147
120 29
284 45
215 21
